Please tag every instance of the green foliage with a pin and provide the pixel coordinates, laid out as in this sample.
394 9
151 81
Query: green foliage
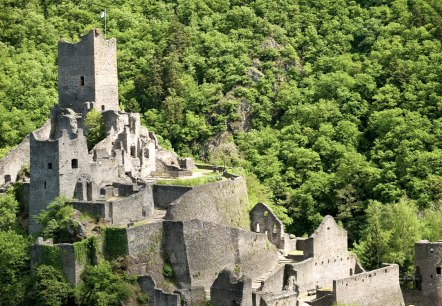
14 268
167 270
114 242
51 255
50 288
102 287
56 219
191 181
390 235
8 210
94 123
86 250
333 105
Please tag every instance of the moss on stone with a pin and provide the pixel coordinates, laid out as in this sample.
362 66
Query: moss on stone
86 251
114 242
51 255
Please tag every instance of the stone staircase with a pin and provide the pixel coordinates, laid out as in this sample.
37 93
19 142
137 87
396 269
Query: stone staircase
158 215
256 283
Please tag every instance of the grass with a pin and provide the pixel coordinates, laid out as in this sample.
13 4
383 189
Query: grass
296 252
191 181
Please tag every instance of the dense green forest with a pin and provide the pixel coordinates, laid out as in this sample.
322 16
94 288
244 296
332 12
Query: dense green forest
330 107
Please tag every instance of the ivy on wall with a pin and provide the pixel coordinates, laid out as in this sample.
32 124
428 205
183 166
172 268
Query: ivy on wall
86 251
51 256
114 242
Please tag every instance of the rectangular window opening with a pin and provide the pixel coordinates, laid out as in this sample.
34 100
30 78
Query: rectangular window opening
438 270
74 163
49 165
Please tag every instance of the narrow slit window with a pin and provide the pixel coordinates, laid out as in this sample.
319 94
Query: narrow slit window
45 185
103 107
49 165
133 152
74 163
438 270
7 178
82 80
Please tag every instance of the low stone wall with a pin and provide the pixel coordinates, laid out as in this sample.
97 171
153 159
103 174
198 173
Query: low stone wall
274 282
223 202
96 209
377 287
133 208
60 256
163 195
285 298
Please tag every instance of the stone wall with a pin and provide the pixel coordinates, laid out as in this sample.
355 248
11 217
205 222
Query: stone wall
377 287
285 298
428 262
106 77
329 238
228 290
164 195
132 208
175 250
76 76
321 272
13 161
275 281
263 220
63 258
145 250
256 254
95 209
212 247
87 72
223 202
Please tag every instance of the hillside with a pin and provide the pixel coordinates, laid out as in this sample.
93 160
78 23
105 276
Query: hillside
333 105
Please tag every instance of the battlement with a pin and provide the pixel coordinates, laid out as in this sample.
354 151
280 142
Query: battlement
87 72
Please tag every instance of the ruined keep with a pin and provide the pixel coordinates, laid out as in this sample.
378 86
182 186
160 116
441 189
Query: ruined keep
186 244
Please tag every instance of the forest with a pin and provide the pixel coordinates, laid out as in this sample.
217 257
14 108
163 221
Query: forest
329 107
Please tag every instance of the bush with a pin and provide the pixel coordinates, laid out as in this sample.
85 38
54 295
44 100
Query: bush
95 128
50 287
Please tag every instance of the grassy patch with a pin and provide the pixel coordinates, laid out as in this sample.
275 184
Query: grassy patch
192 181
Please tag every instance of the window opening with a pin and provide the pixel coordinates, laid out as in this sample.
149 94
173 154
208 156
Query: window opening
103 107
351 272
132 151
438 270
49 165
7 178
74 163
82 80
275 229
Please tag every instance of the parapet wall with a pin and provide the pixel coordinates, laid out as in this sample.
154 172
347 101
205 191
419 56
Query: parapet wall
164 195
224 202
321 272
132 208
377 287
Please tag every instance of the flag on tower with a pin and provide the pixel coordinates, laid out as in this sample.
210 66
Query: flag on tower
103 14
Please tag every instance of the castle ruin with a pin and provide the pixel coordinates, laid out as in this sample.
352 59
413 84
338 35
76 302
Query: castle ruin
205 236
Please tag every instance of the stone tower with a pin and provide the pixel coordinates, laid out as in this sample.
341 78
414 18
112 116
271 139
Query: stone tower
87 72
428 262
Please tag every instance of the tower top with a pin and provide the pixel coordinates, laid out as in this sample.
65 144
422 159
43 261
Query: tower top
87 72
